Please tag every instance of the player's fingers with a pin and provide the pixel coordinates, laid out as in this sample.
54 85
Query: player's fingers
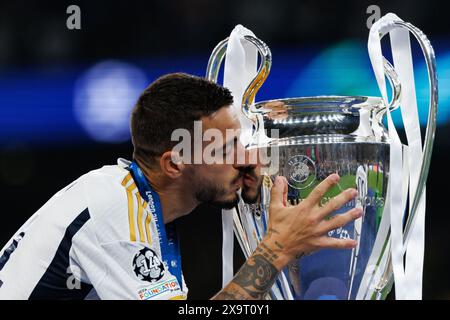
319 191
337 202
333 243
341 220
285 192
278 194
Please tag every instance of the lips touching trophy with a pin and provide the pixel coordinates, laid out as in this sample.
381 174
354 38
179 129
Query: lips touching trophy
317 136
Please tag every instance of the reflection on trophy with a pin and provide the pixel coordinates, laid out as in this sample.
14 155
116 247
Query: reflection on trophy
318 136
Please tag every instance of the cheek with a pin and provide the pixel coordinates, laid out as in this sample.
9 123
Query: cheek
227 171
215 172
223 174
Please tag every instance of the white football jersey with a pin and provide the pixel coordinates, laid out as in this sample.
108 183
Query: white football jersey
94 239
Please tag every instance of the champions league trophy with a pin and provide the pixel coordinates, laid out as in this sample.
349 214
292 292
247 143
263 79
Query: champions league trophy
318 136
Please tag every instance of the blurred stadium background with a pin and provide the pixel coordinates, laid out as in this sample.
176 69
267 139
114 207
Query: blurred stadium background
65 95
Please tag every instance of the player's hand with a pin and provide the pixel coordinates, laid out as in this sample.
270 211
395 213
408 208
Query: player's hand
303 228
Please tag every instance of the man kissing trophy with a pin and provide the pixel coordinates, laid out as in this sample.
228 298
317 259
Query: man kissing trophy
317 136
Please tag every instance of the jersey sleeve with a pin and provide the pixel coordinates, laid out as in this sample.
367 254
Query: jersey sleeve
122 269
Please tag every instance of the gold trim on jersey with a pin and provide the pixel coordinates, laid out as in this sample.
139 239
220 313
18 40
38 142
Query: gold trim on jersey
136 212
267 181
131 213
126 179
148 219
139 218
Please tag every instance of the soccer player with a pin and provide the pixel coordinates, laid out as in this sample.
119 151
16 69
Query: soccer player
111 234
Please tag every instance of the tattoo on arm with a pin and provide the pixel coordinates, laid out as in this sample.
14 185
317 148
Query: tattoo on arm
272 231
254 279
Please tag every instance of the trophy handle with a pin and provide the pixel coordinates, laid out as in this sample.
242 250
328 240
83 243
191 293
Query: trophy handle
248 98
430 59
394 81
215 60
395 85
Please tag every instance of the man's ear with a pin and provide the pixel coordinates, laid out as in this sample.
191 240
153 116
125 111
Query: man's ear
171 164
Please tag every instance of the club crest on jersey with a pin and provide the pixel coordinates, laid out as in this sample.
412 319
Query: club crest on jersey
147 266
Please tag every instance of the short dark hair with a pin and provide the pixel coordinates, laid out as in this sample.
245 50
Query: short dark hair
173 101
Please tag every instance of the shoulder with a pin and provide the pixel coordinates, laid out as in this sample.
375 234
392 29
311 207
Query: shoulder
109 178
109 193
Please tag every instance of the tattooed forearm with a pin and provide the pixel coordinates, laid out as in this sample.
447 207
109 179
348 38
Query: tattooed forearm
256 276
265 251
231 292
254 279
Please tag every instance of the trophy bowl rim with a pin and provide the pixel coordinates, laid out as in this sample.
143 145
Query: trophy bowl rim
347 103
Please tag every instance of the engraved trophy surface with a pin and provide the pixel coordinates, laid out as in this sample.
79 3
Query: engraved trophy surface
315 137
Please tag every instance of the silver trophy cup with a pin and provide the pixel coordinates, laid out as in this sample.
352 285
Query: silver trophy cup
317 136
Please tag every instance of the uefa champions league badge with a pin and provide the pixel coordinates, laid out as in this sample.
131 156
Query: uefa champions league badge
147 266
300 171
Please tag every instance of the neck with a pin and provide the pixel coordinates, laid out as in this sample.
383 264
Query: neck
175 200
